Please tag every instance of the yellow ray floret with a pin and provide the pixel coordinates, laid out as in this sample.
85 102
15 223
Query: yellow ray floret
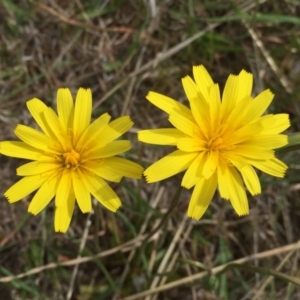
220 140
70 157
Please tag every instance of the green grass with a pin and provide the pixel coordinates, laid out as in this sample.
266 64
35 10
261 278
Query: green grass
46 45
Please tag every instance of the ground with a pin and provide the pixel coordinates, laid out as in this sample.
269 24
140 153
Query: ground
122 50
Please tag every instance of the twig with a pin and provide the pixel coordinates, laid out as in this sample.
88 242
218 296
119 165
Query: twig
215 270
81 246
142 230
168 254
175 258
269 279
125 247
163 56
282 78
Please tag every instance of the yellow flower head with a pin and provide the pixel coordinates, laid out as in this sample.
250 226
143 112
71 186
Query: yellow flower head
219 141
70 157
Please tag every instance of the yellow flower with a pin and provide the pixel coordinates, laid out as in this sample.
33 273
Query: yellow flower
219 142
70 157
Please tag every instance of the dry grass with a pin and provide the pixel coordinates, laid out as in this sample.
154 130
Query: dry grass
149 250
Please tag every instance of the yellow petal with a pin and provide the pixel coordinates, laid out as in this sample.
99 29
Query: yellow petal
82 194
21 150
223 179
104 171
114 130
253 152
246 132
202 79
237 192
94 130
102 192
273 166
114 168
24 187
200 111
64 188
268 141
234 159
251 179
201 197
245 84
63 214
275 123
65 107
111 149
37 167
198 103
211 164
191 145
259 105
230 94
34 138
167 104
183 124
239 115
163 136
169 165
83 111
248 173
43 196
123 167
36 107
61 133
214 104
190 88
194 171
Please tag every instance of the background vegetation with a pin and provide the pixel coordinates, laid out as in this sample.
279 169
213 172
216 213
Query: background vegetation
121 49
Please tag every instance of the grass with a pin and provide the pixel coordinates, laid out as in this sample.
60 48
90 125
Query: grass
149 250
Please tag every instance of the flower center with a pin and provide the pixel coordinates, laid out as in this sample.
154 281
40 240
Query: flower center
214 143
72 159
